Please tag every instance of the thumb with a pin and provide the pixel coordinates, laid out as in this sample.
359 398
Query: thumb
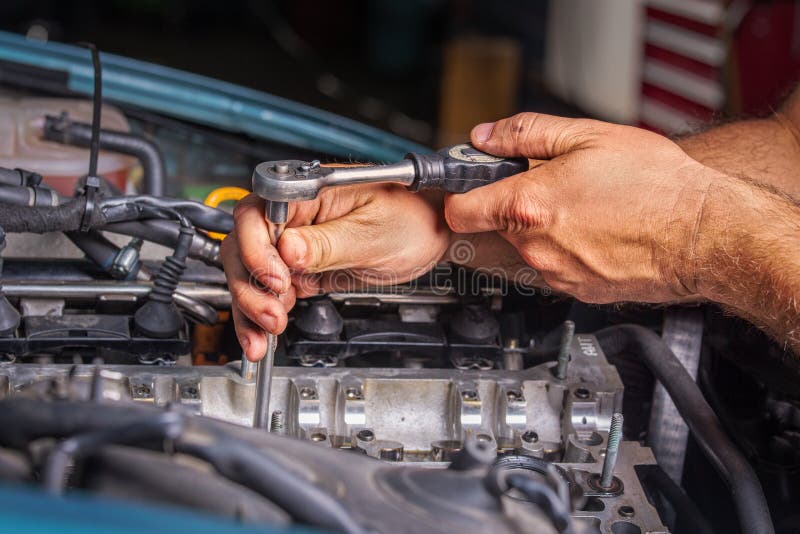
335 244
514 204
535 135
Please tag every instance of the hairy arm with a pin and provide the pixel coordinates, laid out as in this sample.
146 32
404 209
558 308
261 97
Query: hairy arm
747 256
764 150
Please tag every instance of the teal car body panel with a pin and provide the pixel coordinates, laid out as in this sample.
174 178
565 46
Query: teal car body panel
203 100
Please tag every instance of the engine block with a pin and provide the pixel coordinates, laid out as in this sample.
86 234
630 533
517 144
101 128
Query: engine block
409 416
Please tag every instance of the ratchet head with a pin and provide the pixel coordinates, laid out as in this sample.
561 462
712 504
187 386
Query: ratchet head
289 180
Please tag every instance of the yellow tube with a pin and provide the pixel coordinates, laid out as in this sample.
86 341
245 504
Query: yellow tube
220 195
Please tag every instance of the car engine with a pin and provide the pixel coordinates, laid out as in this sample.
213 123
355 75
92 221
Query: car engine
456 402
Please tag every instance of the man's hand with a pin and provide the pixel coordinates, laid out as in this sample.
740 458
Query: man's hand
375 234
611 217
619 213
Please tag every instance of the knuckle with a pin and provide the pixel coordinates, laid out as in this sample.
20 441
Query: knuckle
577 133
281 323
322 250
520 127
240 293
250 258
525 213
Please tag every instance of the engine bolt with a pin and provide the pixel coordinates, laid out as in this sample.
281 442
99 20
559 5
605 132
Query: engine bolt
307 393
563 351
582 393
614 437
352 393
366 435
142 390
276 422
469 395
319 436
529 436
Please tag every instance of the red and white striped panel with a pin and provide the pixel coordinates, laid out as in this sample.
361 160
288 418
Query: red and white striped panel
684 55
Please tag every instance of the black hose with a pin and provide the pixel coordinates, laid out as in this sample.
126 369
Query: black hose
551 495
157 427
19 177
132 208
240 460
68 216
39 220
98 249
689 517
732 466
158 231
24 420
29 196
63 130
166 233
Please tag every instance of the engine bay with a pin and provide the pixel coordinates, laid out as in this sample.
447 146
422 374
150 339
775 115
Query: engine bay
454 402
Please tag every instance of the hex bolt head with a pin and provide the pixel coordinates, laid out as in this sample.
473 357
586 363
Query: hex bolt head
529 436
366 435
582 393
352 393
307 393
142 390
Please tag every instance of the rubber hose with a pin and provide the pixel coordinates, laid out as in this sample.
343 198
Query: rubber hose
40 220
166 233
29 196
732 466
237 459
130 208
688 515
62 130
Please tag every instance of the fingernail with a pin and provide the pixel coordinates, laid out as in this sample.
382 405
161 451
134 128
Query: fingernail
268 322
483 131
244 343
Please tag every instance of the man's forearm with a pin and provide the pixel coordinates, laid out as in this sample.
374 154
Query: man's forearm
747 256
764 150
